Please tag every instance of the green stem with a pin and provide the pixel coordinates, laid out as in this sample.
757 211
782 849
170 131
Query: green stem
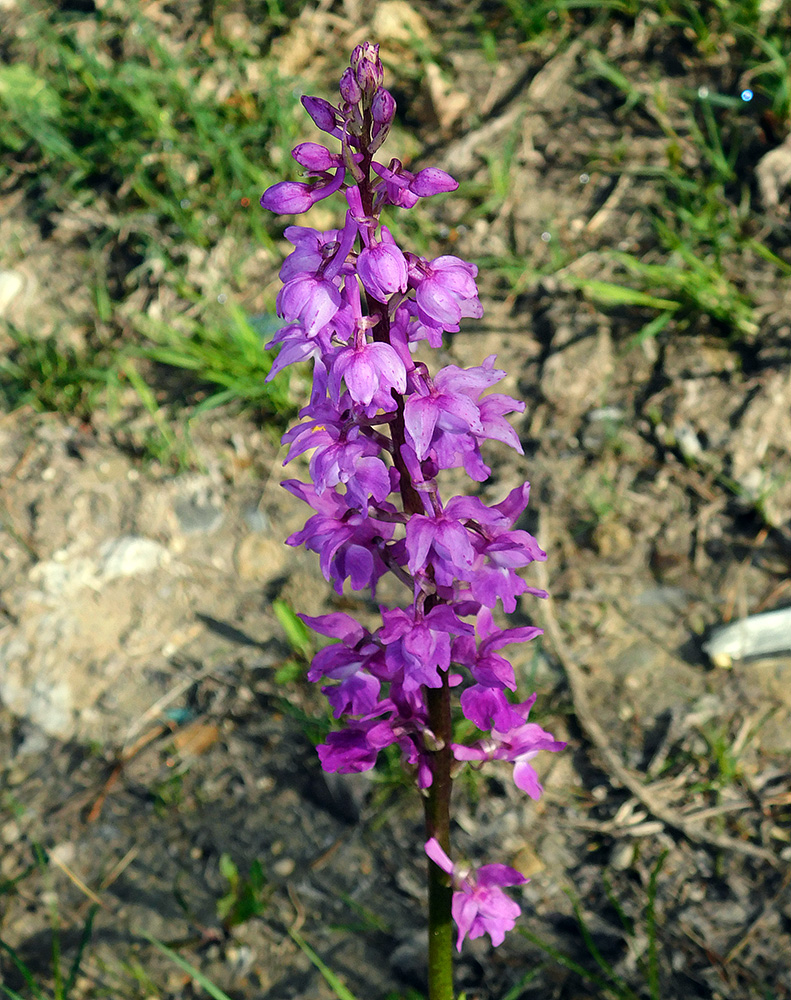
437 806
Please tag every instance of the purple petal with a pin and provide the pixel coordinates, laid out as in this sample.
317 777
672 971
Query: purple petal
420 418
419 536
336 625
434 850
431 181
497 874
527 779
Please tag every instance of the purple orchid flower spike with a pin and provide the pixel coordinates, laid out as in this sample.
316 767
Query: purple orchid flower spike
379 432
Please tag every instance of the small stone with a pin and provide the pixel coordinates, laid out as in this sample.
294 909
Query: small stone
255 518
284 867
622 857
130 555
9 832
612 538
527 861
65 852
197 515
261 559
730 913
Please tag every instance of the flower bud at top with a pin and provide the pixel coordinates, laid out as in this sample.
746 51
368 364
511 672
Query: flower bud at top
349 88
368 67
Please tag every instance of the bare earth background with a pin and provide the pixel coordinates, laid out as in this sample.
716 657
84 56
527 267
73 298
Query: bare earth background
152 716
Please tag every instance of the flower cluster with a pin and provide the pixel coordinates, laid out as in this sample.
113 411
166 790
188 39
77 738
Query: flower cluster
380 428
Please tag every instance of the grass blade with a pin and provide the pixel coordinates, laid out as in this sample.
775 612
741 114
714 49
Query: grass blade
11 993
516 991
341 991
616 981
182 963
564 960
650 921
22 968
85 937
605 293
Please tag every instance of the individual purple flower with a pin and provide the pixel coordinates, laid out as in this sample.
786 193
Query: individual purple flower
356 747
342 454
371 372
351 663
445 291
309 300
479 904
414 328
517 744
417 647
446 418
295 345
311 249
431 411
382 268
487 667
500 551
344 537
492 409
443 542
488 708
403 188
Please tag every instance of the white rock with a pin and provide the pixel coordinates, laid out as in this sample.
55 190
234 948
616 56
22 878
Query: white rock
758 635
130 555
773 174
11 284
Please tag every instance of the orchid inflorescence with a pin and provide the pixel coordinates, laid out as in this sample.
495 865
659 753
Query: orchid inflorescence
380 428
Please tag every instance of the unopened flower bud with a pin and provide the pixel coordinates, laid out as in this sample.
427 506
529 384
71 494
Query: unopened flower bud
349 88
432 180
322 112
383 107
314 157
368 67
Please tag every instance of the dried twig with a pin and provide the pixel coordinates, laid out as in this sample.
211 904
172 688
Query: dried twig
613 764
765 911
